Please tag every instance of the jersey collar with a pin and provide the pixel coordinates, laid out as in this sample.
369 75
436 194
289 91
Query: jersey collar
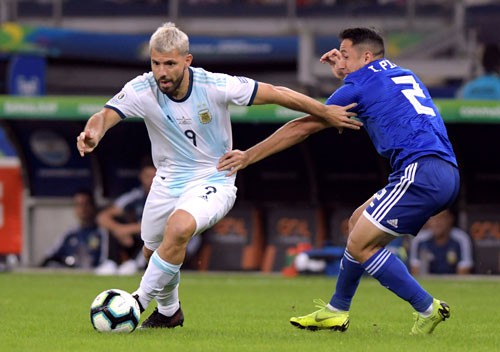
190 88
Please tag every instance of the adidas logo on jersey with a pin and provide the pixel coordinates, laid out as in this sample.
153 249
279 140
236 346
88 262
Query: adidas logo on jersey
393 223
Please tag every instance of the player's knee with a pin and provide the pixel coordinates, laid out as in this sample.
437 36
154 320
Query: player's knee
354 251
180 227
361 252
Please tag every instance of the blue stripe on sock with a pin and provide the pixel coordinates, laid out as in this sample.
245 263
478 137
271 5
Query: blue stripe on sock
377 261
349 257
164 266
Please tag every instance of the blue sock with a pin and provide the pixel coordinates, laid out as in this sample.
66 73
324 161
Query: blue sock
393 274
348 280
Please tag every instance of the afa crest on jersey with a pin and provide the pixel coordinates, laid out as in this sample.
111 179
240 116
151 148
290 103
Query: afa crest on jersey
204 116
119 98
121 95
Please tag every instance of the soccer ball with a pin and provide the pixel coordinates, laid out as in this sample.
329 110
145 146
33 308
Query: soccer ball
115 310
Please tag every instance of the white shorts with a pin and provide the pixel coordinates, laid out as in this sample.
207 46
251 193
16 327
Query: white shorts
207 203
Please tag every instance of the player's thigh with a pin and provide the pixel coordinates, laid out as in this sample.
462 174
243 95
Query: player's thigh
159 205
357 213
365 239
207 204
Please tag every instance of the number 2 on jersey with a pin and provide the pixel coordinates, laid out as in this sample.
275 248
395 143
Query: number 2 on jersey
412 94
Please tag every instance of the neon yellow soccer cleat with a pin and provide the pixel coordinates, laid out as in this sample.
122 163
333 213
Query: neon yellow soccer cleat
425 326
322 319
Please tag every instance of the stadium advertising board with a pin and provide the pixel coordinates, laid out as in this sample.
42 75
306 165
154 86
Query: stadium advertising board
134 48
80 108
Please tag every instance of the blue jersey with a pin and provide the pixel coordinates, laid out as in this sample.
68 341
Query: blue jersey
398 113
79 247
446 258
443 259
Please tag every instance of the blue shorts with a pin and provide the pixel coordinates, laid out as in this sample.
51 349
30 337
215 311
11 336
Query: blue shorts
423 189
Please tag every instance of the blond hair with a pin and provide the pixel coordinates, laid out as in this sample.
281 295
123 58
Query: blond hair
167 38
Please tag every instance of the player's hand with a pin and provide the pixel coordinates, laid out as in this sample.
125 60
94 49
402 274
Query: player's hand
86 142
331 57
233 161
336 61
123 233
340 117
126 242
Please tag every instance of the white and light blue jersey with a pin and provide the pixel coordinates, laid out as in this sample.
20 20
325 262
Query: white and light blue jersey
397 112
188 136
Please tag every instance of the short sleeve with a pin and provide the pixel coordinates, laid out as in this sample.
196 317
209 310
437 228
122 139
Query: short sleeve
345 95
126 103
240 90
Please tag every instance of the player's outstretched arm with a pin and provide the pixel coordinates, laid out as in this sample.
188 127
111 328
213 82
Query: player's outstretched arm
338 116
288 135
96 127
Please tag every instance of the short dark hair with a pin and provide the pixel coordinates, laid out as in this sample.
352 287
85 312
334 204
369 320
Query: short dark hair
88 193
367 36
491 58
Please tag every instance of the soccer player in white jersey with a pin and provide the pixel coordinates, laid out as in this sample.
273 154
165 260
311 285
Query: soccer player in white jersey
186 114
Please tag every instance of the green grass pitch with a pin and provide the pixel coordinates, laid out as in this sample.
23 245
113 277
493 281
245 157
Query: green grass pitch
47 311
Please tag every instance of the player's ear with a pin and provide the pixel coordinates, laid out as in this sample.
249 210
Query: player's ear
189 59
368 56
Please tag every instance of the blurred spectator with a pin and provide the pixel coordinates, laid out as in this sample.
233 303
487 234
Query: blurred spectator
122 219
441 248
486 86
84 246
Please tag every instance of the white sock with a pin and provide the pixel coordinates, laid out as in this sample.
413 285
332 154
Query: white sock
427 313
158 274
168 299
332 308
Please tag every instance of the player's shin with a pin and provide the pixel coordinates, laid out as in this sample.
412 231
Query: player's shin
158 274
350 274
393 274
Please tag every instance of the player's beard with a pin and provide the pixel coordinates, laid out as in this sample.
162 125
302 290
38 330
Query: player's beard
173 88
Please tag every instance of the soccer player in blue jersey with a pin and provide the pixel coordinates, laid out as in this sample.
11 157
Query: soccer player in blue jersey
186 113
405 127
